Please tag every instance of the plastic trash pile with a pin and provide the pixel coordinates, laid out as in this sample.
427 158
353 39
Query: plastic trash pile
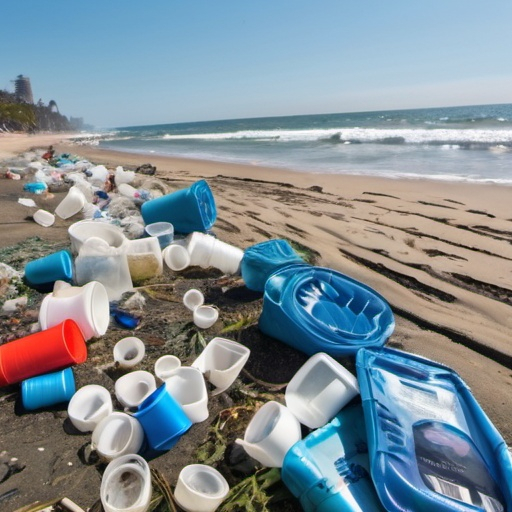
406 434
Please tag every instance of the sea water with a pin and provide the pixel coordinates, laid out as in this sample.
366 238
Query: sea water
472 143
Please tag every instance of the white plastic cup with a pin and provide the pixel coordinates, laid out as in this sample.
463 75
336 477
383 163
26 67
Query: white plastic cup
187 386
80 231
200 488
131 389
88 406
72 203
44 218
272 431
87 305
199 247
144 258
193 298
117 434
221 362
319 390
166 365
176 257
126 485
129 352
226 257
163 231
205 316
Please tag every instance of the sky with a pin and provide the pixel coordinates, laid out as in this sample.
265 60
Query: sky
128 63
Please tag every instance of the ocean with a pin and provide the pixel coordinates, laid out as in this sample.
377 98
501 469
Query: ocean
472 143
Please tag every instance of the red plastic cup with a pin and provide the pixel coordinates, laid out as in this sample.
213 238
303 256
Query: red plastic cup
52 349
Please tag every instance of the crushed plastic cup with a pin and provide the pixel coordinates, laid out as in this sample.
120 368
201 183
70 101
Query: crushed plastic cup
44 218
200 488
205 316
80 231
57 266
166 365
272 431
88 406
190 209
117 434
319 390
176 257
186 384
72 204
221 361
47 390
193 298
126 485
129 352
87 305
163 419
134 387
42 352
163 231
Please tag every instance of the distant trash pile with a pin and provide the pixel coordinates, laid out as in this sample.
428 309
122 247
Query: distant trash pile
405 434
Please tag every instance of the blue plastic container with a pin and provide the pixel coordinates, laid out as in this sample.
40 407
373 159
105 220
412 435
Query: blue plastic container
315 309
47 390
262 259
189 209
48 269
163 419
430 444
329 469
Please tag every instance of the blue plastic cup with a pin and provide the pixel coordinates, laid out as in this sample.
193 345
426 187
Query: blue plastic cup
49 389
57 266
163 231
189 209
162 419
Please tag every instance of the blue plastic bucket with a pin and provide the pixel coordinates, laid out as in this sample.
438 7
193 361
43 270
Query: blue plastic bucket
262 259
189 209
49 389
329 469
315 309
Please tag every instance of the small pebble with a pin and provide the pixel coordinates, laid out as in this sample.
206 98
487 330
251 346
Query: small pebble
41 449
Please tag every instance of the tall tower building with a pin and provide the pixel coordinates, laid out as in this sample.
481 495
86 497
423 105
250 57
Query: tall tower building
23 89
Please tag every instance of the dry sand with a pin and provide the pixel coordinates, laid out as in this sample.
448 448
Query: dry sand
440 253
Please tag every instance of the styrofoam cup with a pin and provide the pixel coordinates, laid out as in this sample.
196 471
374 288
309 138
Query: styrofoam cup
87 305
205 316
71 204
272 431
221 362
129 351
117 434
176 257
166 365
186 385
126 485
44 218
200 488
193 298
88 406
319 390
226 257
199 247
134 387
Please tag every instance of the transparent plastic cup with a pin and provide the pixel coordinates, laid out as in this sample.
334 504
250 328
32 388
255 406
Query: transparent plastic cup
163 231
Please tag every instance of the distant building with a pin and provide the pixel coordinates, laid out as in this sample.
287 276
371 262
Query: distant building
23 89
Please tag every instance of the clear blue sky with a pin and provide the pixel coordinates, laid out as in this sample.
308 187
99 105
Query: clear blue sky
133 62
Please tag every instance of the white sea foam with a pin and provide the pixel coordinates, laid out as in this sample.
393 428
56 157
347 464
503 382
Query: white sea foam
410 136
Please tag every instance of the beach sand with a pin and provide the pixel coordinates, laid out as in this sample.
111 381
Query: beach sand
439 252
